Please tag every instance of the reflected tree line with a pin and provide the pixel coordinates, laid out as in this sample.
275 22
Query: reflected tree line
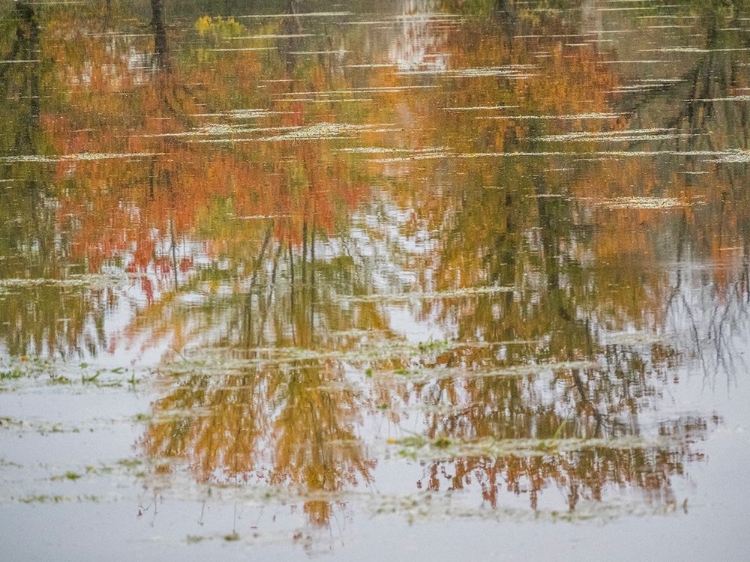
570 302
29 238
299 312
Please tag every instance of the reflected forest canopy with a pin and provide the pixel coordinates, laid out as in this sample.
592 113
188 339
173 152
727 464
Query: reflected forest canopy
486 239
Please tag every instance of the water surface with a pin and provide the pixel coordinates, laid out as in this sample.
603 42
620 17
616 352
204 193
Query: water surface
368 280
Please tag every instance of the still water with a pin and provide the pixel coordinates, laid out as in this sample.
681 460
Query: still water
375 280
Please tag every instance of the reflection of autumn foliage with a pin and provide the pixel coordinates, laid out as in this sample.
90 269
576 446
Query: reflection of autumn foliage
573 237
285 422
284 426
606 403
581 475
316 448
167 194
137 188
578 250
180 201
172 185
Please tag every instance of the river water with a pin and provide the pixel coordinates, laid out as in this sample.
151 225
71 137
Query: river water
438 280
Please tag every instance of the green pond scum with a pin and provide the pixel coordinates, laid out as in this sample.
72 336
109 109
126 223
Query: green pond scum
425 279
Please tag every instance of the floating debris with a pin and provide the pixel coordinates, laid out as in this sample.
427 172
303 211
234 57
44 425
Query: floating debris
442 448
692 50
262 217
415 156
85 156
239 49
297 15
321 131
646 85
350 91
329 52
380 150
371 65
237 139
480 108
636 61
573 117
275 36
90 280
727 98
639 202
734 157
635 338
513 72
208 130
628 135
408 297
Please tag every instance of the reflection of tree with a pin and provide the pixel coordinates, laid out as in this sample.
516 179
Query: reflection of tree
709 115
287 422
583 475
316 447
44 317
279 425
140 215
522 233
23 86
601 403
56 315
255 231
513 224
160 34
709 122
564 317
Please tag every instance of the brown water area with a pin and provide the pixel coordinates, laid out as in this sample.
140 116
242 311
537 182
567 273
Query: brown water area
391 280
